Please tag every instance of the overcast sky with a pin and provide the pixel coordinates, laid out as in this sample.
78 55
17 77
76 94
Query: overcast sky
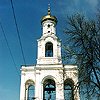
28 14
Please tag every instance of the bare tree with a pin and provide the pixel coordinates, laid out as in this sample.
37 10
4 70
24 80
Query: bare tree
84 40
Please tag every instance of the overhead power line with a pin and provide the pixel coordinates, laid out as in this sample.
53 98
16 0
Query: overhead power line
18 31
9 48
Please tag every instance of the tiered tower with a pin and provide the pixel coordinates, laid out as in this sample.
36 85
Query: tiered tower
49 79
49 46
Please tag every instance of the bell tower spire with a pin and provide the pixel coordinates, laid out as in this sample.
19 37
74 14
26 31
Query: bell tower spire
49 13
49 23
49 46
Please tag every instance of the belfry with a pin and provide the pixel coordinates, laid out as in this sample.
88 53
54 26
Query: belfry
49 79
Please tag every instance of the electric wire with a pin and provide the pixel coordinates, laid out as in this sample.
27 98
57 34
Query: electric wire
18 31
9 48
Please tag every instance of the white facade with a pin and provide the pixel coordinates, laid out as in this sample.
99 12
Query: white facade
49 68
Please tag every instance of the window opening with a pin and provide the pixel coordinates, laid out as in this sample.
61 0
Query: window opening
48 31
49 92
48 25
31 92
68 91
49 49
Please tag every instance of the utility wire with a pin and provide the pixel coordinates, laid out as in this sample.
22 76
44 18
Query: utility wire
18 31
9 48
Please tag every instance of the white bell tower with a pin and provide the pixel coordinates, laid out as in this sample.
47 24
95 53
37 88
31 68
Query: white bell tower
49 46
49 79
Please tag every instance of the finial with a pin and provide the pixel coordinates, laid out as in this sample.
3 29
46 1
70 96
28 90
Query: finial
48 9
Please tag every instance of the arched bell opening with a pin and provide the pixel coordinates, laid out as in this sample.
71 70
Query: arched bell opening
48 49
68 89
49 90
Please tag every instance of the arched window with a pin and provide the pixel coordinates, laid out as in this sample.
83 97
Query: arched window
49 49
68 90
29 90
31 95
49 91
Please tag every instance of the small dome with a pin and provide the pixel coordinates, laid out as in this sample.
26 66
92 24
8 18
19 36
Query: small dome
49 17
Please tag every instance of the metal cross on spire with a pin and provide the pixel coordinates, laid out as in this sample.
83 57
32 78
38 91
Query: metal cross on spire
49 9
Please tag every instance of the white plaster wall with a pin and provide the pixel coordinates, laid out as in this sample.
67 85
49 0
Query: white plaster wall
56 59
39 73
50 73
27 73
71 72
52 28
